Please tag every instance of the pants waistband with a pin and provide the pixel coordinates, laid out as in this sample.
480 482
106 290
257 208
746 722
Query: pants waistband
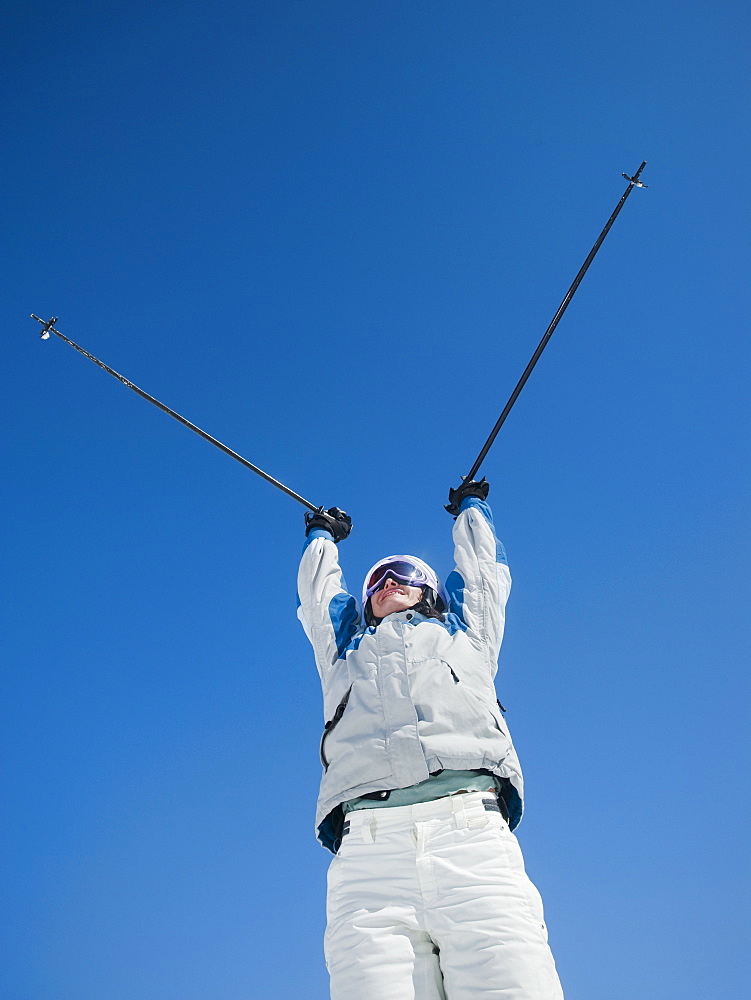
461 804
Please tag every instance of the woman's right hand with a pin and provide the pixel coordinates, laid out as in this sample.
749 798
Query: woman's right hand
337 522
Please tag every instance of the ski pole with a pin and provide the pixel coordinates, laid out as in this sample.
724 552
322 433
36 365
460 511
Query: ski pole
632 183
48 327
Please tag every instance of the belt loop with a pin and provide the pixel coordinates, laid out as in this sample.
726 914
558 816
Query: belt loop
457 806
368 826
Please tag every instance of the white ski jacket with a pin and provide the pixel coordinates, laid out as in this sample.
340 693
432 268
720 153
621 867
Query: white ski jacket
412 695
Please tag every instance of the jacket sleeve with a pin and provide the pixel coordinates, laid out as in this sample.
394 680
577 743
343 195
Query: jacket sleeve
479 585
329 615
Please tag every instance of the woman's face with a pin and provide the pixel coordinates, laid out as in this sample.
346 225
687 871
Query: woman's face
394 596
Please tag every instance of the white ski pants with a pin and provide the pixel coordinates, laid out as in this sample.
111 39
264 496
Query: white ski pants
431 902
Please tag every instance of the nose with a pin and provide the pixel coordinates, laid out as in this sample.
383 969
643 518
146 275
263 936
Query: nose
390 582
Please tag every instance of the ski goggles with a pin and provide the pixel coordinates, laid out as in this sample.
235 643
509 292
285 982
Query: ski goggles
400 570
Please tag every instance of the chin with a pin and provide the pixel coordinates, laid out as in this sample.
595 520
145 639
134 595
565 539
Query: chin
390 609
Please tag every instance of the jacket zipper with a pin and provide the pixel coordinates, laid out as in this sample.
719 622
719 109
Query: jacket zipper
331 724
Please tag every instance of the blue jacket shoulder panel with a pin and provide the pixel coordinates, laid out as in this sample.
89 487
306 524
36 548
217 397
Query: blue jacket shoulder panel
344 612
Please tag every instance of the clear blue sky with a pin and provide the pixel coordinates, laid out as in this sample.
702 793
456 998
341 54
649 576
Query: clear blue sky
332 234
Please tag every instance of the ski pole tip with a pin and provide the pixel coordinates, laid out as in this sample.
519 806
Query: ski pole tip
47 325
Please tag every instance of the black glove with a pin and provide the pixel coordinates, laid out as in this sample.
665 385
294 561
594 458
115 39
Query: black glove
333 520
467 489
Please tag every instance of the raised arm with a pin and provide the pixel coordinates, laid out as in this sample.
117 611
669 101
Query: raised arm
479 585
329 615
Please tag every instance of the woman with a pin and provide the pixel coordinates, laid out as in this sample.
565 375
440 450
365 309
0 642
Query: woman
421 788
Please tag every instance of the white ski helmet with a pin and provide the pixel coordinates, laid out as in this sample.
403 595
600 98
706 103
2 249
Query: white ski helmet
406 569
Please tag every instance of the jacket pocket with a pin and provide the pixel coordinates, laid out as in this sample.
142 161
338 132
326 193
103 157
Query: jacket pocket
332 724
487 707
